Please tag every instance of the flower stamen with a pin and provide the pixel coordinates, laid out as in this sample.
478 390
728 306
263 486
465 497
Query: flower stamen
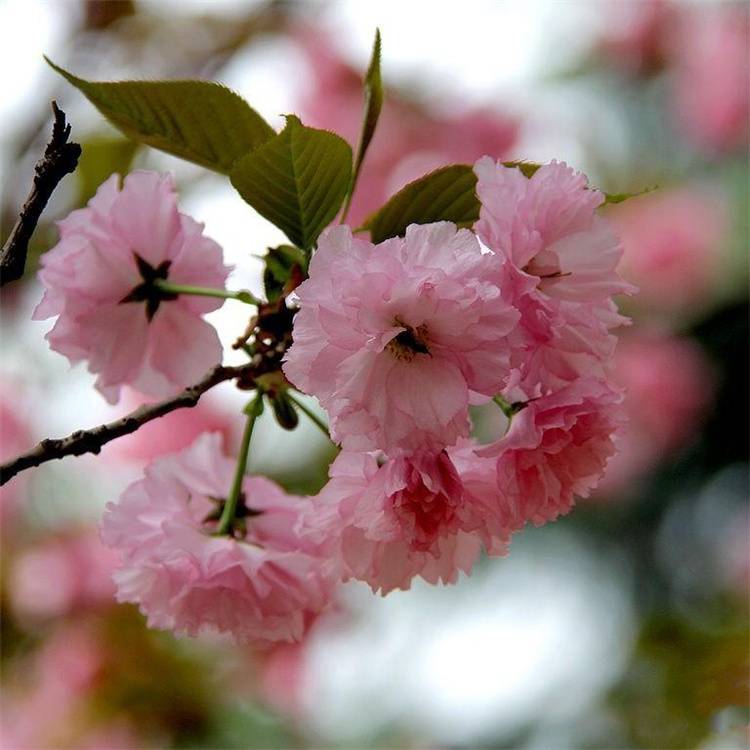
410 342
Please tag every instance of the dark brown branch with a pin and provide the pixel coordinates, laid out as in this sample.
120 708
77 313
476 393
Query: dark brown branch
91 441
60 158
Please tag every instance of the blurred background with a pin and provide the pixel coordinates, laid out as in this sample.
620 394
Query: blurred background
622 625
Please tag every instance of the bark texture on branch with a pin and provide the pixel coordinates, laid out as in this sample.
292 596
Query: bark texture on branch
60 158
91 441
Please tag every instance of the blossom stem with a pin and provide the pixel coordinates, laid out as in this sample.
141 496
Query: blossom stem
506 408
310 414
230 506
203 291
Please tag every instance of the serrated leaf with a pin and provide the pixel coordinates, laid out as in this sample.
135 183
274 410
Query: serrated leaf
447 194
201 121
297 180
373 105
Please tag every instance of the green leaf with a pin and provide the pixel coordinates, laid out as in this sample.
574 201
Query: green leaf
447 194
201 121
279 264
373 105
528 168
101 156
613 198
297 180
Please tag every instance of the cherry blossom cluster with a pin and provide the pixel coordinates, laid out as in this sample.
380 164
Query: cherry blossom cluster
396 340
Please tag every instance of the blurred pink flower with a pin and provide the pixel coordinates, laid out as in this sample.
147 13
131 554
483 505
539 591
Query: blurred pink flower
113 736
281 674
264 586
98 280
711 75
59 676
556 449
668 386
734 554
15 438
673 244
60 575
385 524
636 34
176 430
392 338
410 140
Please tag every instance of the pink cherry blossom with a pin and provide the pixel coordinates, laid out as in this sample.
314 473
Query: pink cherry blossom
392 338
97 280
385 524
559 262
556 449
547 227
264 586
673 246
558 341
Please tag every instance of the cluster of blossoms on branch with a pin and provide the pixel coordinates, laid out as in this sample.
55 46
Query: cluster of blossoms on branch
396 340
500 294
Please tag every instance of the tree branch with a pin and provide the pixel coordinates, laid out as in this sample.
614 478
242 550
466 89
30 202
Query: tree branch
91 441
60 158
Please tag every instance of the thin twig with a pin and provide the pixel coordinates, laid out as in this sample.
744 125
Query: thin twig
91 441
60 158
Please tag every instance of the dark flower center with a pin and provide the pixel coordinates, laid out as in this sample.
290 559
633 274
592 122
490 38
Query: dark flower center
241 514
147 291
407 344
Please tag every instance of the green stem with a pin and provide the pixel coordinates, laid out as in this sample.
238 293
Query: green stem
202 291
322 426
230 506
506 408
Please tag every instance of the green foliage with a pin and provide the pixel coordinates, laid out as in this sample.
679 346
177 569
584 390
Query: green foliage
447 194
297 180
201 121
279 264
373 105
528 168
102 156
612 198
